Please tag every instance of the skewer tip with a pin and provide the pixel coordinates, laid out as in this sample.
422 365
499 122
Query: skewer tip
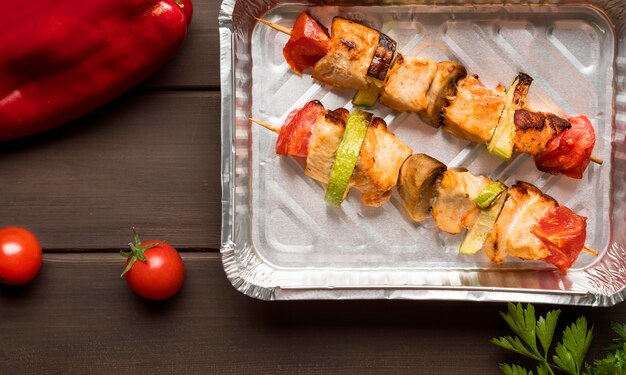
274 26
266 125
596 160
590 251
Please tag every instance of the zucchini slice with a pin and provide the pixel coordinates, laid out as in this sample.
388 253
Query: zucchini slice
476 236
488 195
367 97
503 139
383 58
377 72
346 156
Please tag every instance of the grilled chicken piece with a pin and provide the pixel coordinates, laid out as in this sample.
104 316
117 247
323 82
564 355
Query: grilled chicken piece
443 86
326 135
377 169
474 111
533 130
524 207
454 207
407 84
347 61
380 159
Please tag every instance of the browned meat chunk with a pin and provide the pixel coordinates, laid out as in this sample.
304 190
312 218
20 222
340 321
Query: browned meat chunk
524 207
382 155
474 111
533 130
454 207
407 84
352 50
380 159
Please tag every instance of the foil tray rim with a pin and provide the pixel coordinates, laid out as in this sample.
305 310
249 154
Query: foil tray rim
242 275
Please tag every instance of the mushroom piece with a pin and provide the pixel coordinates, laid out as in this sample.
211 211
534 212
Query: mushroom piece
417 184
442 87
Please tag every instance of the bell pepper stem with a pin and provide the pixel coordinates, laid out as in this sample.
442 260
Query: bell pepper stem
180 3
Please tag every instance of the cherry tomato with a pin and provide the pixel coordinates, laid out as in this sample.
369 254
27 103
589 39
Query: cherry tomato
20 256
154 269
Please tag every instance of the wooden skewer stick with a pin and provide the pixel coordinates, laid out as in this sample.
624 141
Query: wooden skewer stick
266 125
275 129
591 251
274 26
287 31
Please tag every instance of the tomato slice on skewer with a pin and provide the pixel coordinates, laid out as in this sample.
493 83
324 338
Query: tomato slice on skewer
564 233
569 152
294 136
308 43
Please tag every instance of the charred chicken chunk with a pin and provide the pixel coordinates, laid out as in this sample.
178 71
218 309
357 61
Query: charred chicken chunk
407 84
326 135
524 207
378 166
454 207
443 86
348 60
474 111
533 130
377 169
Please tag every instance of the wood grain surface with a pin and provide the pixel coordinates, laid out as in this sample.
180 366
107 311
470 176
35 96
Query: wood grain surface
150 159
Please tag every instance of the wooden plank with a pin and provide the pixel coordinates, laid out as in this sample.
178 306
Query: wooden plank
79 317
196 64
150 161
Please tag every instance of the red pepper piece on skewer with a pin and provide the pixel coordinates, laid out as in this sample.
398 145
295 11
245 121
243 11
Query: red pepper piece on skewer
569 152
294 136
564 233
308 43
60 59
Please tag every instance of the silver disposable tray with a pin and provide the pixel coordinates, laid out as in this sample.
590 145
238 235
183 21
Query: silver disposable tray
280 240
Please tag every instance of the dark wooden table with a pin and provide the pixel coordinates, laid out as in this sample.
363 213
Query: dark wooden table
150 159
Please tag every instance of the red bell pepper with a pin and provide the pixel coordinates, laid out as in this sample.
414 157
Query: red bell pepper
564 233
295 134
60 59
308 43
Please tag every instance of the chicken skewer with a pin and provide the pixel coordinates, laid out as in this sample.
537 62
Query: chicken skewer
365 59
519 221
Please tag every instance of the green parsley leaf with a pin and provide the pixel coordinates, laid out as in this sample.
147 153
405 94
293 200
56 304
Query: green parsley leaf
571 351
515 345
545 329
613 364
618 342
522 322
514 370
544 369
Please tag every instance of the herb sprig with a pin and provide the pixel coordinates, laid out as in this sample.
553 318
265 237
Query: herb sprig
569 354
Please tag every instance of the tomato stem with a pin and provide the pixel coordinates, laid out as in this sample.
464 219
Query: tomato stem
136 252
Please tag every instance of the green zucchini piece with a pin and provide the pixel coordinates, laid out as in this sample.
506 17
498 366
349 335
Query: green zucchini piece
503 138
488 195
366 97
383 58
475 237
346 156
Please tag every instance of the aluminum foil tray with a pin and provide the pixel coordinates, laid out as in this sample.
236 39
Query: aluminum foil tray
280 240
